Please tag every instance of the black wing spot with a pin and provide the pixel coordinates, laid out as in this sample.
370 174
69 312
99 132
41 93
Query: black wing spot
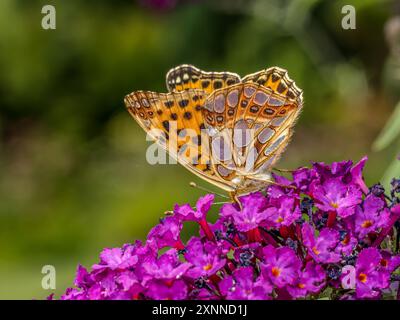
166 125
254 109
275 77
269 111
281 87
183 103
205 84
169 104
217 84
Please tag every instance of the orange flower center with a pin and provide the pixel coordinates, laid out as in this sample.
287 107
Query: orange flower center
362 277
335 205
207 267
315 250
280 219
301 285
367 224
276 272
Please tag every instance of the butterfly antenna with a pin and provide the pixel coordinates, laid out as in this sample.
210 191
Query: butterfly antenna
283 170
194 185
221 202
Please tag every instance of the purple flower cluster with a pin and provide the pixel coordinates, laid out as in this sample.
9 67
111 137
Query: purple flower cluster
321 234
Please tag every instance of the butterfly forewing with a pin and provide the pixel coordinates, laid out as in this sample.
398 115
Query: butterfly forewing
187 76
174 120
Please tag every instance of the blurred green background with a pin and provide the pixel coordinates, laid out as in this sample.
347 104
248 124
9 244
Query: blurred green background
73 173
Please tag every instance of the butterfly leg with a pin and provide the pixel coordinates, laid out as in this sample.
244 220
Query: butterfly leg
233 195
269 181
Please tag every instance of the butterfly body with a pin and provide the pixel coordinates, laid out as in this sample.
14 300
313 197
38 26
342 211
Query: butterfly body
228 130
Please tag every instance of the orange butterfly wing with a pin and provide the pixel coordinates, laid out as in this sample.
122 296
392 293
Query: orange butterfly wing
174 120
266 103
187 76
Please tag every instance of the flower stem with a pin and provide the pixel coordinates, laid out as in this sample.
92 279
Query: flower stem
179 245
269 238
206 229
331 219
254 235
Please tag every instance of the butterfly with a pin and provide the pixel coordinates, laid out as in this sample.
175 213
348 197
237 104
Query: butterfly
228 130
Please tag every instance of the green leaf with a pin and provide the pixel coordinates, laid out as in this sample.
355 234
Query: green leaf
389 132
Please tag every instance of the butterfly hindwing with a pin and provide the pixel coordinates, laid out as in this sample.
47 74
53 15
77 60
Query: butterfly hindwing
276 79
258 124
